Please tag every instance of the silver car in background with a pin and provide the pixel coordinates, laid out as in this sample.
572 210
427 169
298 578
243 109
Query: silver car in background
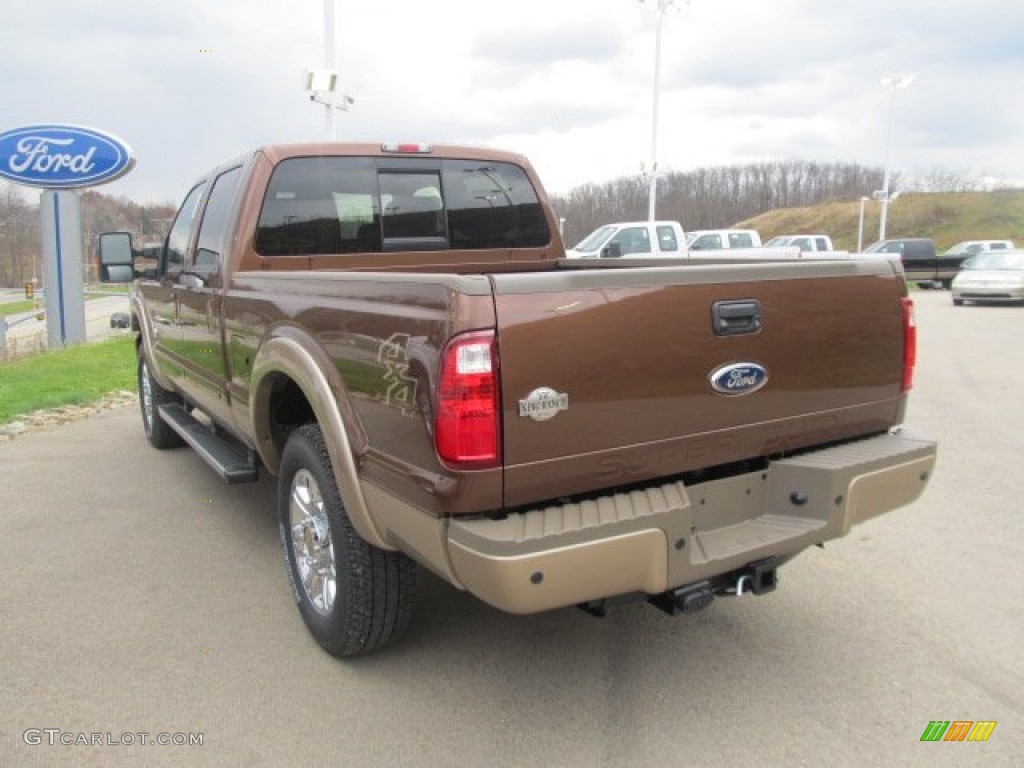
991 276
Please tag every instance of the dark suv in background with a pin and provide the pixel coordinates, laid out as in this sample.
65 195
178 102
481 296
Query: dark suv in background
921 264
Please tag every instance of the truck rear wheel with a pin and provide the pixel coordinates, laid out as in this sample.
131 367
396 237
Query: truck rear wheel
354 597
151 397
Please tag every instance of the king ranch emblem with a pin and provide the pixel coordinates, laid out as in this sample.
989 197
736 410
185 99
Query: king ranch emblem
543 403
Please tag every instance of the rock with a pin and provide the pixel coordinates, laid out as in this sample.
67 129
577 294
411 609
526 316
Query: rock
64 415
14 429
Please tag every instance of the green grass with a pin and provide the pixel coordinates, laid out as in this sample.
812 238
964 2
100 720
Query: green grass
76 375
16 307
946 217
27 305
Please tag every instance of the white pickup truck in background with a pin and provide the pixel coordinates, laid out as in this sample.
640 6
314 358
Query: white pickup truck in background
632 238
722 239
647 239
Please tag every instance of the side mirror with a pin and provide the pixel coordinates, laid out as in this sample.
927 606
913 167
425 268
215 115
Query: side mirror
117 259
612 251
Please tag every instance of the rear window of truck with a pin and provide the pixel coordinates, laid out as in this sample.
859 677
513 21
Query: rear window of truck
327 205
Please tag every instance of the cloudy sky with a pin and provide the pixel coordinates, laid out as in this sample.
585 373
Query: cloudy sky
568 83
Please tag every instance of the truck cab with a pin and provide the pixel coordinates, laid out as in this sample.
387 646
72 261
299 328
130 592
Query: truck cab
632 238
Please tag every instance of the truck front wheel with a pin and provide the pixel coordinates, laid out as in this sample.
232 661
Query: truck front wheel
151 397
354 597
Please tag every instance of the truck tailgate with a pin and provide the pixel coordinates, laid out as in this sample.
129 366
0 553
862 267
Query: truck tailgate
608 375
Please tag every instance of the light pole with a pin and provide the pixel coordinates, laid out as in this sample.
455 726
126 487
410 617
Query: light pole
652 193
860 227
893 83
321 82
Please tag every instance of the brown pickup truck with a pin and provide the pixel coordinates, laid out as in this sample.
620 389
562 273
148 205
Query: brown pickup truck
393 332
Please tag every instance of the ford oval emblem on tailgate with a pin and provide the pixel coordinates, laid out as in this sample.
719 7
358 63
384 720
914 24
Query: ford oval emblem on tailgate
738 378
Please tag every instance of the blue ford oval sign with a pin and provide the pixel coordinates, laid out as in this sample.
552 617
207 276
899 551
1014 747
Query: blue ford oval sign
62 156
738 378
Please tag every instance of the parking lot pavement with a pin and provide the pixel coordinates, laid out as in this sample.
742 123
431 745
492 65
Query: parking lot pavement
140 595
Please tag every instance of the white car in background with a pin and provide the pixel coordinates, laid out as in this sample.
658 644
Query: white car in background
996 276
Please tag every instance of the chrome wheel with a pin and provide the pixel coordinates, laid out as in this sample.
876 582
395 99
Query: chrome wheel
311 542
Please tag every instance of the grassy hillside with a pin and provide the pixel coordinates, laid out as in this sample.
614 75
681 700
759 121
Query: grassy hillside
946 217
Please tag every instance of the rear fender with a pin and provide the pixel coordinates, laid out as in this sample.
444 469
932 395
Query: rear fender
292 353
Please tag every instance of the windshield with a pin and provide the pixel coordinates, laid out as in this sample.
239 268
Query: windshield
885 246
777 241
1004 260
595 239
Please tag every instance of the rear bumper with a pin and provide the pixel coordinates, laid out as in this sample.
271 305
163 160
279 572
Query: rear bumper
667 536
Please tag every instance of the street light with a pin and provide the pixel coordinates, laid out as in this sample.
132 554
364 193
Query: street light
321 82
893 83
660 6
860 227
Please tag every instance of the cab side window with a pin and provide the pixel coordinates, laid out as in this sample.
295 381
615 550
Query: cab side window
181 232
633 240
215 221
706 241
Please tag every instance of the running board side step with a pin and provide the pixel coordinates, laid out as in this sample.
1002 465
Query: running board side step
225 459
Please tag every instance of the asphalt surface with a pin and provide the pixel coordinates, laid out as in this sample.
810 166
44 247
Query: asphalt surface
140 595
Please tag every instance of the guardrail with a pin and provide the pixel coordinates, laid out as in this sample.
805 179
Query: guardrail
5 351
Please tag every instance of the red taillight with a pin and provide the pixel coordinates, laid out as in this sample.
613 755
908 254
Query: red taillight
909 344
468 402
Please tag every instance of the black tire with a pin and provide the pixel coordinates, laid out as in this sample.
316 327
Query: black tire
371 601
958 302
151 397
946 284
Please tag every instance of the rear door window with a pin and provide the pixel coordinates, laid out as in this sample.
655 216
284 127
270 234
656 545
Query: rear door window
667 239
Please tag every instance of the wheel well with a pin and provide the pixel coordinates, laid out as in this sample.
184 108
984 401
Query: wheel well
288 410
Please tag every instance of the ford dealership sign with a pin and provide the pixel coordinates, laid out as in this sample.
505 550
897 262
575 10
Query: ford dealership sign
62 156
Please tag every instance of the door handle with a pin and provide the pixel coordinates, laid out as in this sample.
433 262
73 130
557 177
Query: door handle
735 318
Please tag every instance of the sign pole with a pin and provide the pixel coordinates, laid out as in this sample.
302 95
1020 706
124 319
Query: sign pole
60 215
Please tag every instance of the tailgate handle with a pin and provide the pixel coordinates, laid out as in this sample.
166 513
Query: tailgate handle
734 318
